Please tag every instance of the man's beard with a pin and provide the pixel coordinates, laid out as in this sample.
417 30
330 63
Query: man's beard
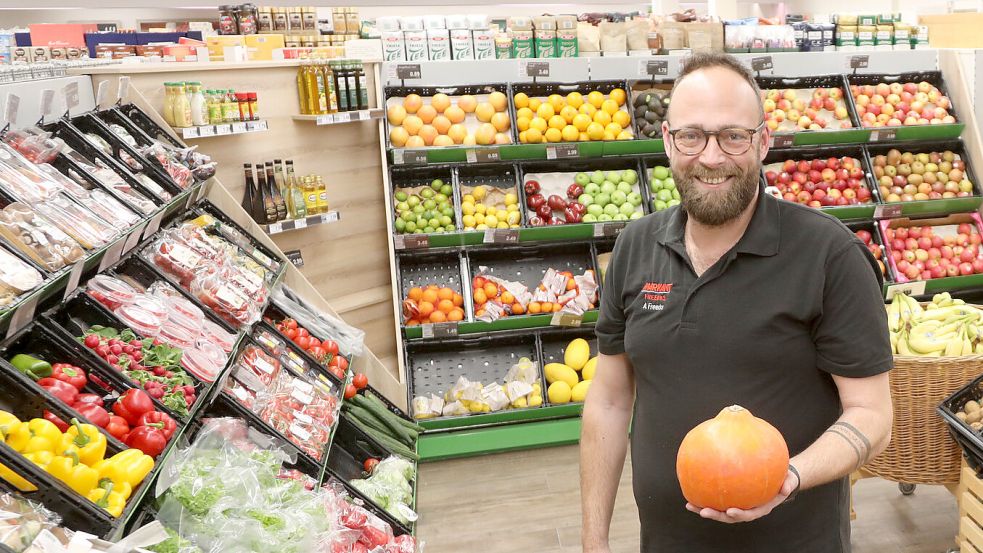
716 207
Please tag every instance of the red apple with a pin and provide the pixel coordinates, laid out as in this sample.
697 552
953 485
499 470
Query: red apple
937 272
953 270
977 266
965 269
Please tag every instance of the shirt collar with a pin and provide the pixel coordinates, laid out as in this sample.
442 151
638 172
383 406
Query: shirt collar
761 237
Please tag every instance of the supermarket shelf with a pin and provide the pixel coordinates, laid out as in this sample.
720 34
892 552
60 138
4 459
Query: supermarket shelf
342 116
443 330
297 224
477 421
556 233
499 439
225 129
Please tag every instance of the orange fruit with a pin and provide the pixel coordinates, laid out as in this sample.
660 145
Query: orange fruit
479 297
445 293
557 307
458 300
412 322
491 290
507 298
456 315
430 296
425 308
415 294
534 307
445 306
438 317
546 307
477 282
433 287
571 284
517 309
479 312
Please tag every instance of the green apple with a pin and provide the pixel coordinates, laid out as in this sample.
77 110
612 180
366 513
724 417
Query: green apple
613 176
595 209
439 198
435 222
437 184
602 199
446 221
626 209
401 196
664 195
655 185
635 199
629 176
608 187
589 218
618 197
625 187
446 190
597 177
408 216
582 179
621 217
603 218
428 230
448 211
660 172
418 209
611 210
672 202
585 199
635 215
403 206
429 204
675 194
413 201
400 225
410 226
659 205
669 183
427 193
592 189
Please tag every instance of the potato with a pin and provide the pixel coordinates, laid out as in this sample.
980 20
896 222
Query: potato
977 426
961 416
973 417
971 405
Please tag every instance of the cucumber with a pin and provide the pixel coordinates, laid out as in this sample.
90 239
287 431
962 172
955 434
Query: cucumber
404 434
367 419
386 441
407 423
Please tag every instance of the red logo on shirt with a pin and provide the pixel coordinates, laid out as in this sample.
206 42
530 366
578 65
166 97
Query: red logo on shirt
655 295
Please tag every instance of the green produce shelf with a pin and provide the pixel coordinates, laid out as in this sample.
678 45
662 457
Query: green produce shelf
505 323
633 147
946 284
498 439
472 422
939 207
557 233
923 132
844 136
851 212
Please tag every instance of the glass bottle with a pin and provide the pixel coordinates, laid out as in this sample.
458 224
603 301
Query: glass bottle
281 207
269 205
315 90
281 183
199 106
341 85
305 108
214 108
298 208
248 201
310 196
361 92
253 107
242 104
331 89
169 104
181 107
230 107
322 195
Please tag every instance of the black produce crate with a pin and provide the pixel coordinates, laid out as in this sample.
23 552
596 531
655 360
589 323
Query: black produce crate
397 93
236 234
417 177
300 361
274 314
350 449
971 441
5 200
938 207
393 408
434 367
113 116
877 238
932 77
638 121
544 89
75 316
89 123
68 165
581 166
504 176
554 343
813 81
144 122
443 268
528 264
824 153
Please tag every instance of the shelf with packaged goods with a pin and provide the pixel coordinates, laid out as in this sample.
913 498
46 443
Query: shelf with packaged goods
297 224
223 129
342 117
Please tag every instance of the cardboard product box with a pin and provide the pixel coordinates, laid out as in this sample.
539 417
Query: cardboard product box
484 44
919 45
40 54
710 33
520 23
523 45
411 24
22 54
503 46
545 41
846 35
121 51
920 32
462 44
479 22
865 44
866 20
566 23
902 45
217 43
433 22
567 45
902 35
829 32
888 17
866 33
416 45
387 24
59 53
457 22
438 44
884 34
150 50
544 23
75 53
102 51
180 52
352 22
261 47
846 19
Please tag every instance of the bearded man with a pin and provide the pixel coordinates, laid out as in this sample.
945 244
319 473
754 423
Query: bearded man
734 297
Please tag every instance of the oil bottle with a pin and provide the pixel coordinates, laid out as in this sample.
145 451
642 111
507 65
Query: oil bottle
322 195
298 206
310 196
281 206
302 88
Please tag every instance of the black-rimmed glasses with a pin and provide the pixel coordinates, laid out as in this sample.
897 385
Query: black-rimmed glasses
733 141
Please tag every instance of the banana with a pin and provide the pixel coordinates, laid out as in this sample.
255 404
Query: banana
943 313
967 343
894 314
937 299
931 306
894 342
954 347
958 302
979 348
972 331
933 354
903 347
928 342
916 308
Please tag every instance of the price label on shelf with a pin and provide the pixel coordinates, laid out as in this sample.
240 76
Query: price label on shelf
238 127
300 223
613 228
537 69
409 71
153 225
13 105
501 236
274 228
654 68
123 90
295 257
782 140
566 319
487 155
409 157
134 238
363 115
887 211
112 255
762 63
859 62
23 315
73 279
223 129
71 92
562 151
47 98
101 91
415 241
439 330
325 119
914 288
207 130
883 135
342 117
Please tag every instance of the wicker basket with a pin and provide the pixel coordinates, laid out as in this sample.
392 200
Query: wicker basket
921 450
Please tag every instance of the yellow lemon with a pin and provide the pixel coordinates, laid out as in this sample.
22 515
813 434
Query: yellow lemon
503 224
554 135
588 110
570 133
625 135
595 131
535 401
533 136
491 221
557 122
608 136
539 124
613 128
602 117
595 98
521 100
468 198
479 218
511 199
568 113
621 117
609 106
479 193
479 210
546 111
580 121
512 207
559 392
468 221
619 96
525 112
522 137
522 123
513 218
501 215
534 103
467 208
575 100
584 137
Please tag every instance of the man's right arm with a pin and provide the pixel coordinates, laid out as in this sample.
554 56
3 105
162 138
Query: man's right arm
603 446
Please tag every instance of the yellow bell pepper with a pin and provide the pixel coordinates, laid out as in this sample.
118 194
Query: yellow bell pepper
7 421
71 471
34 435
130 467
16 480
86 440
40 458
112 501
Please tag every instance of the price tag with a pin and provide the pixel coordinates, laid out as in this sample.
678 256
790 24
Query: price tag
47 97
101 93
123 90
654 68
274 228
73 279
501 236
859 62
330 217
537 69
300 223
223 129
303 386
488 155
112 255
238 128
914 288
408 71
134 238
882 135
303 417
887 211
363 115
440 330
562 151
295 257
22 315
566 319
409 157
782 140
342 117
613 228
471 156
192 132
71 92
298 432
260 125
325 119
411 241
13 105
761 63
207 130
153 225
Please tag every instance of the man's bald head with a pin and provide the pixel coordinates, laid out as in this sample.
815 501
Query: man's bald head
704 66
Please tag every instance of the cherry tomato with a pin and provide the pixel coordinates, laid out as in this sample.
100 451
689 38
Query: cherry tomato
350 391
301 331
360 381
337 372
290 323
339 361
290 333
370 464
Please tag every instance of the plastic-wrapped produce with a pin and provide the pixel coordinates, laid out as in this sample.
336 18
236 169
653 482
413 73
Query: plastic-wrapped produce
21 181
175 257
35 144
16 277
76 221
98 201
228 301
111 292
349 338
180 173
68 185
302 412
110 179
39 239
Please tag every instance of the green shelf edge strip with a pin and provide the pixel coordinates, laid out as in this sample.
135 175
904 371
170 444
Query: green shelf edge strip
536 434
502 417
506 323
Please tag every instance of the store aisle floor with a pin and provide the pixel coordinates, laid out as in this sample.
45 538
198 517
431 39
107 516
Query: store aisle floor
529 501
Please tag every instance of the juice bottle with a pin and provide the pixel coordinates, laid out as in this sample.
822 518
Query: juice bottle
181 107
230 107
199 106
214 107
169 104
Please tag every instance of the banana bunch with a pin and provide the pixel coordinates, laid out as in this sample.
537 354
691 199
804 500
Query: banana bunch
946 327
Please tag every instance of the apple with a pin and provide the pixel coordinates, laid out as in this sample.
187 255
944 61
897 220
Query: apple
532 187
965 269
535 200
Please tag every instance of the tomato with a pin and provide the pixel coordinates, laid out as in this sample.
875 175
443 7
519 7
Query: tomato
289 323
303 341
350 391
317 352
290 333
301 331
370 464
337 372
315 343
330 346
339 361
360 381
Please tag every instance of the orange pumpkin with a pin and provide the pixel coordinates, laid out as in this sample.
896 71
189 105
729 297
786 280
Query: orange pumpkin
732 460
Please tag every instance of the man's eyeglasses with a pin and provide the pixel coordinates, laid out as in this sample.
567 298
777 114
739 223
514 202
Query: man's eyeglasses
733 141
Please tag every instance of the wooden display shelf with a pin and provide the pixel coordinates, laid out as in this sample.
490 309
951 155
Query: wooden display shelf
224 129
297 224
342 116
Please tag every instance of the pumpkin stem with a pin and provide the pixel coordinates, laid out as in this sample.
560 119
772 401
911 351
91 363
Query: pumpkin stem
732 409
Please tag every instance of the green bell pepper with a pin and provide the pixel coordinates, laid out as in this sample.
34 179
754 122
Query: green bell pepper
31 366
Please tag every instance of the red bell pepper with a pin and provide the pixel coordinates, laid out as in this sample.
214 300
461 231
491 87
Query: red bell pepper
53 418
61 390
132 405
70 374
100 382
96 415
94 399
148 439
118 427
156 417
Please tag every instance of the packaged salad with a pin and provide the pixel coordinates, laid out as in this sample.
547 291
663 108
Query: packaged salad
76 221
40 240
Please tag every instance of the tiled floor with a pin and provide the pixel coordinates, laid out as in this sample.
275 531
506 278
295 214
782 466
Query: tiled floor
529 502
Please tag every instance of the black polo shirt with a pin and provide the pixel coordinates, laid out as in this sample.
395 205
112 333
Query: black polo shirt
795 301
